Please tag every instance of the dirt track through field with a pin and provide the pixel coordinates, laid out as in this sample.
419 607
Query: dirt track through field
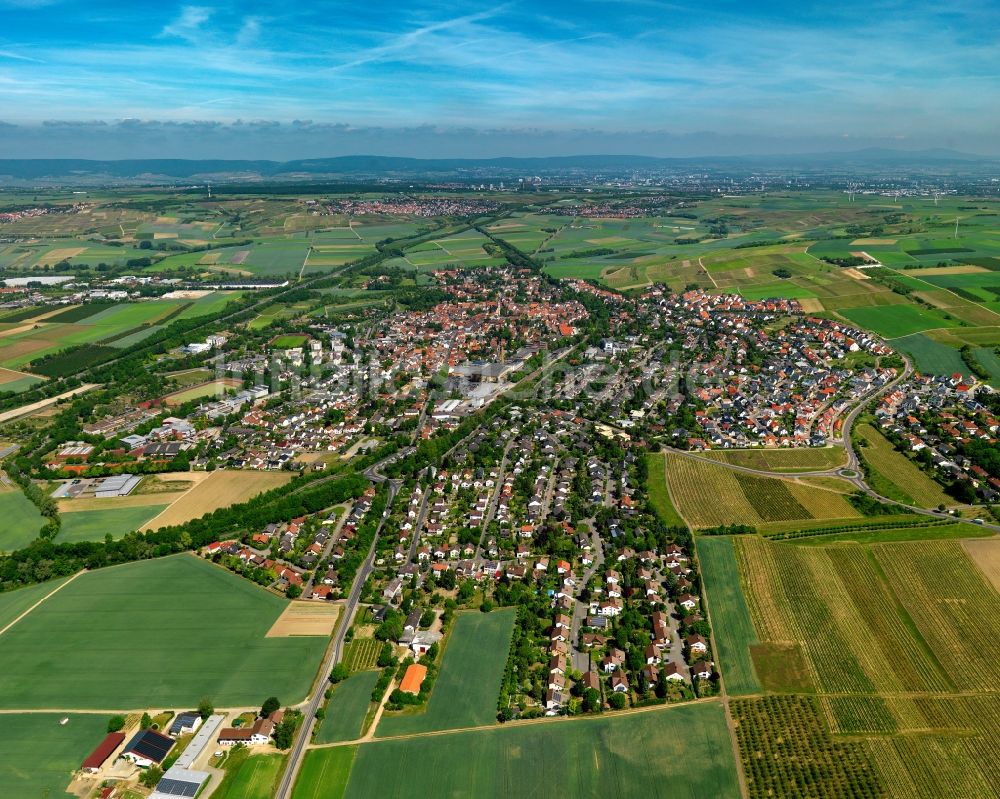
37 406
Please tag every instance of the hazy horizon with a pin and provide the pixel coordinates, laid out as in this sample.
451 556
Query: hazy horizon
211 80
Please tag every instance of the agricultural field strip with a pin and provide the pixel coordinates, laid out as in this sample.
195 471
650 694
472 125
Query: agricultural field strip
853 628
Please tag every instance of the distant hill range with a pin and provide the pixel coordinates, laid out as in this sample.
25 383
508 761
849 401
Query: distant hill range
71 170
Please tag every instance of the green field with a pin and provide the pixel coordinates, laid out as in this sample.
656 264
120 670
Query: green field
324 773
288 342
931 357
990 361
465 692
209 304
14 603
656 487
175 629
94 525
345 712
682 752
112 321
896 320
889 534
38 754
250 776
22 521
733 629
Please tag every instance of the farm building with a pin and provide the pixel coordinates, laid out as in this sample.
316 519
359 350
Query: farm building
184 723
179 782
148 748
413 678
424 640
103 751
120 485
259 733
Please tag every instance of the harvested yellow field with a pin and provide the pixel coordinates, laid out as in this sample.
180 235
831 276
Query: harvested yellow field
863 242
855 273
306 617
962 269
219 489
53 257
985 553
210 258
112 503
811 304
779 460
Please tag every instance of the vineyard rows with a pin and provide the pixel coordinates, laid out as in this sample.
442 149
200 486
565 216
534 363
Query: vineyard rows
955 609
361 654
710 496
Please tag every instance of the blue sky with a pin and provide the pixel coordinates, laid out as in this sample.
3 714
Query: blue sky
288 80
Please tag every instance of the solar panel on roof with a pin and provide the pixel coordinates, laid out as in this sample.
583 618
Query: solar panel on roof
150 745
177 787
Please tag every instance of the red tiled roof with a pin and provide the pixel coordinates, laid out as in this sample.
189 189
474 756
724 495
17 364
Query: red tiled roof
104 749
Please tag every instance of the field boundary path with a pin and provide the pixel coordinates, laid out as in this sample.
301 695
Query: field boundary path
511 725
23 410
55 590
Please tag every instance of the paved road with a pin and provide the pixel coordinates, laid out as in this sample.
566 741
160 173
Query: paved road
334 655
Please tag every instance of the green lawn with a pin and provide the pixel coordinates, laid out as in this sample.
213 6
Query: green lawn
38 754
681 752
94 525
733 629
892 321
21 520
345 713
466 689
158 633
656 487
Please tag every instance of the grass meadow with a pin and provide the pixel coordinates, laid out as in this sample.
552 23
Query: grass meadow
734 632
345 712
906 481
250 776
656 487
94 525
